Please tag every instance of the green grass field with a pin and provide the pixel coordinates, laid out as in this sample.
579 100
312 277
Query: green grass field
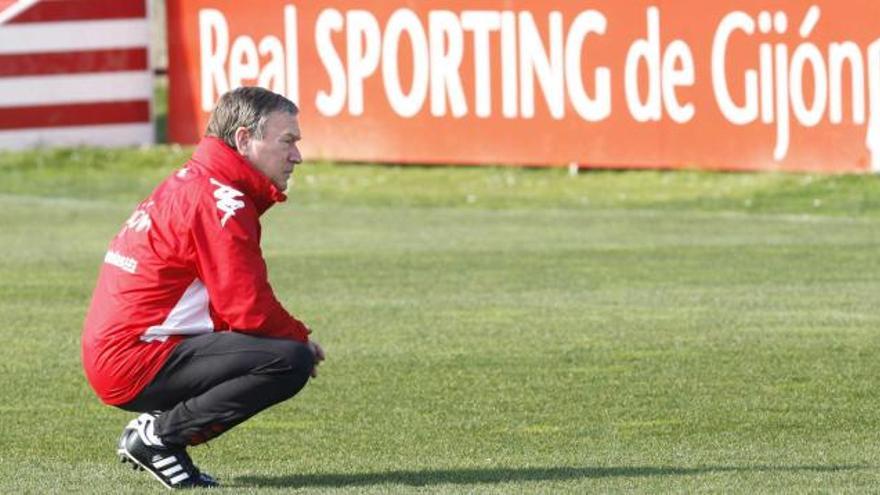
488 330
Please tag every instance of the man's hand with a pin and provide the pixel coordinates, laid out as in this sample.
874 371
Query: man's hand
319 356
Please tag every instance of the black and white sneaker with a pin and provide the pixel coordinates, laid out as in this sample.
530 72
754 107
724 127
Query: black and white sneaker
172 466
130 428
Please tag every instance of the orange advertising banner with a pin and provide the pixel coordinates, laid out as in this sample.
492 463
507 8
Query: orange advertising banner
727 84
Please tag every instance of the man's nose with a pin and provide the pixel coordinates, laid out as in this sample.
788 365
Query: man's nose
295 155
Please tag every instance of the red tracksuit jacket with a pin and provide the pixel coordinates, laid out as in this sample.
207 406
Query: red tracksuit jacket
187 262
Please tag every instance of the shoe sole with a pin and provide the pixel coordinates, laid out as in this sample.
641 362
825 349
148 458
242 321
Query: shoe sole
125 460
141 467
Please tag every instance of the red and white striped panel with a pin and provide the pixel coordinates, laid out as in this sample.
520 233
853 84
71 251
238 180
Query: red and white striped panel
75 72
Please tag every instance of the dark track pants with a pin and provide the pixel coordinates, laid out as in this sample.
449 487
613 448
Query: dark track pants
213 382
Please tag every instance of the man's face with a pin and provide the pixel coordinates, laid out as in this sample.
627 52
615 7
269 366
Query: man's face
276 154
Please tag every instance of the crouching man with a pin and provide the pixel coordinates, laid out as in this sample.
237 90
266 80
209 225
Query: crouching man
183 325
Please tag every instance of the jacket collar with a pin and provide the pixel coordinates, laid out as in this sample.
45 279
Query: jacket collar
216 159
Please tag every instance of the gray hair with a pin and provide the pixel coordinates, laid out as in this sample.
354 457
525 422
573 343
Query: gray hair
247 107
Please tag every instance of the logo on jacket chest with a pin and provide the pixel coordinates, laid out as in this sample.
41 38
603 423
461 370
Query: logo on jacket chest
227 200
139 221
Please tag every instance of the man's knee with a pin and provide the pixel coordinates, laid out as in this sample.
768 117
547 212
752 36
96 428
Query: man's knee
296 357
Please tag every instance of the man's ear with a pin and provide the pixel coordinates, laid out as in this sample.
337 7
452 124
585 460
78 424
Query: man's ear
242 140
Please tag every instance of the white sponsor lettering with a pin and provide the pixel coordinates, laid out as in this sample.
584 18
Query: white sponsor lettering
330 104
405 21
214 49
437 57
509 79
775 89
873 137
244 64
225 68
446 47
362 51
535 62
544 64
591 109
663 77
481 23
437 52
123 262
